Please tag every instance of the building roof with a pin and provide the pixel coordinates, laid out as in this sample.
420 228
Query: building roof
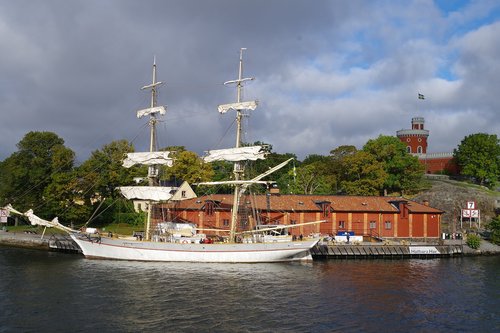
290 202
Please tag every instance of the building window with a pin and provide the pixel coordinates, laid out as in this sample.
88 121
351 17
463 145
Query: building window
183 194
419 149
373 225
326 210
209 207
419 139
408 140
408 149
388 225
225 222
341 224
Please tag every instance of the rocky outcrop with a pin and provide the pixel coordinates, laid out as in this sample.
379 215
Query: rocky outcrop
452 196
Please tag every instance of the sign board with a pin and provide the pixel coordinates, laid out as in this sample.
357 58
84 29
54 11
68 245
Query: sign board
470 213
424 250
4 214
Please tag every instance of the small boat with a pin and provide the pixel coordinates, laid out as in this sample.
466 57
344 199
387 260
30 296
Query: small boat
182 242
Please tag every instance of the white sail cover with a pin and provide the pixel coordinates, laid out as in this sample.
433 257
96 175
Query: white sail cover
153 158
12 209
153 193
157 109
251 153
251 105
35 220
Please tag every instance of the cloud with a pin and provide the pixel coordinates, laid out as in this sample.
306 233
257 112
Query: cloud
327 74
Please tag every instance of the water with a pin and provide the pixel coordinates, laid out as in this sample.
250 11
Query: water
55 292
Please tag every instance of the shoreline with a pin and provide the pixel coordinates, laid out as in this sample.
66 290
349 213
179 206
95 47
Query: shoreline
373 250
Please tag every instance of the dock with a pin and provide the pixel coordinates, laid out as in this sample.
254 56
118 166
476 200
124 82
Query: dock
384 251
54 242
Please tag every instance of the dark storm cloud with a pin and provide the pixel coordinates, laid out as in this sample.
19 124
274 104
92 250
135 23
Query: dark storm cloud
327 72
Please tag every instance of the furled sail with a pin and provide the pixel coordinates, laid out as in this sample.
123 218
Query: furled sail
157 109
35 220
251 105
250 153
12 209
153 193
152 158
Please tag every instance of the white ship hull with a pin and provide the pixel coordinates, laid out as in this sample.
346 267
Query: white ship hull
121 249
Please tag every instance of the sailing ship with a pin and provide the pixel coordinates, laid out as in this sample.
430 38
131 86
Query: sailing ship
182 242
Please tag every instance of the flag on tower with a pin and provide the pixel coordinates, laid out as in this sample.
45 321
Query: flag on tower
420 96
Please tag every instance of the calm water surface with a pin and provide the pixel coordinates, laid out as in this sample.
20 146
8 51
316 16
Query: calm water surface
55 292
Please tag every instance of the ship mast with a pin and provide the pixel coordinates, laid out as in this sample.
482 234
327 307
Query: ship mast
152 169
238 167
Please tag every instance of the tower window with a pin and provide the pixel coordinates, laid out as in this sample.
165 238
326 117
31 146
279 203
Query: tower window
408 149
419 149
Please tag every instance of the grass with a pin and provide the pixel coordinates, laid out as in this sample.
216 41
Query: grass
37 229
121 228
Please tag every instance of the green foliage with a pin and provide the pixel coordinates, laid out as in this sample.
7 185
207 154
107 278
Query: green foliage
340 152
40 160
281 176
363 174
103 173
473 241
404 171
309 179
494 228
118 210
316 159
188 167
478 156
63 199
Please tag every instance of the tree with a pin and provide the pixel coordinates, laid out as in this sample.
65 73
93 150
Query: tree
103 172
310 179
404 171
26 174
282 176
494 228
478 156
340 152
362 174
336 165
189 167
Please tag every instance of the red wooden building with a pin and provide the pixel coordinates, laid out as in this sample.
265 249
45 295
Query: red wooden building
386 217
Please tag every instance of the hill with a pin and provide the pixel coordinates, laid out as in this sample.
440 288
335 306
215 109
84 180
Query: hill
451 196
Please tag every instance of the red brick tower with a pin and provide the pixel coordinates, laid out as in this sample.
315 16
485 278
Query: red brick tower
416 137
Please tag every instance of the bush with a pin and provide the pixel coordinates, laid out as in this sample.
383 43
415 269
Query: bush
494 228
473 241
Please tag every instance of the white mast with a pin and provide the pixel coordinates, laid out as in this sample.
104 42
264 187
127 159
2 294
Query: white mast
152 169
238 168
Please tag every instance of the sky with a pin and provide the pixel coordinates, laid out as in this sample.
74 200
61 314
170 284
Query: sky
327 73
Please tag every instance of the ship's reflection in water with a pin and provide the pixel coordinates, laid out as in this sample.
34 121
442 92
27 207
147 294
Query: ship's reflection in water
59 293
